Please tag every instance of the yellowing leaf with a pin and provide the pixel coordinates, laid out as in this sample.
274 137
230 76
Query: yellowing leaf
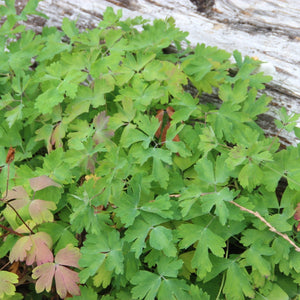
40 211
33 248
44 273
7 280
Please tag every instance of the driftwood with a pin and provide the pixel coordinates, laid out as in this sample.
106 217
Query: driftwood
268 30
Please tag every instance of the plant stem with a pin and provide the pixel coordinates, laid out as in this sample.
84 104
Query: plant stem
271 228
10 230
224 275
20 217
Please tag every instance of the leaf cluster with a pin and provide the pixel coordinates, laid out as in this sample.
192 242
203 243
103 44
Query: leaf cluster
124 185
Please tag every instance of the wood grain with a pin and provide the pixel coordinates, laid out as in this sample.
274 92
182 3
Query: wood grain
268 30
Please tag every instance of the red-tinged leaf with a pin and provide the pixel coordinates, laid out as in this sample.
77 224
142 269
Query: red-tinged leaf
10 155
101 132
40 252
66 281
20 249
164 133
40 211
163 128
297 212
68 256
33 248
170 111
160 117
57 135
44 273
20 196
41 182
297 216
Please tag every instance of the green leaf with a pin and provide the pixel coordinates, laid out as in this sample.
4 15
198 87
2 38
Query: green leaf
137 234
69 28
45 102
97 248
138 61
132 135
237 283
128 203
146 285
161 238
103 277
175 288
246 177
87 293
253 257
218 200
237 94
207 239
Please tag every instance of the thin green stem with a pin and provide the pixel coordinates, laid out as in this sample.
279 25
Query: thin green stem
224 274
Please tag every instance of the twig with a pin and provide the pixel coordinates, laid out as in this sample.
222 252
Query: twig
271 228
10 230
30 230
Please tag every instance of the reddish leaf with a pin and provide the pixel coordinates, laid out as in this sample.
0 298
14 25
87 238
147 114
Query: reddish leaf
57 135
65 279
33 248
19 195
68 256
160 117
44 273
101 132
40 252
10 155
39 211
19 250
297 216
297 213
41 182
162 132
170 111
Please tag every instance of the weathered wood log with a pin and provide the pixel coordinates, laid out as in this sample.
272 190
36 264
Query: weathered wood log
268 30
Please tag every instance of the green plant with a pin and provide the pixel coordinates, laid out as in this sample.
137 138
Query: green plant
137 189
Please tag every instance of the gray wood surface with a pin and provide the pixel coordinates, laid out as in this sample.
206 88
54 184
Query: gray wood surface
268 30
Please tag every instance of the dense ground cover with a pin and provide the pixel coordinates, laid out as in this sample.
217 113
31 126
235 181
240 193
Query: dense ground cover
120 184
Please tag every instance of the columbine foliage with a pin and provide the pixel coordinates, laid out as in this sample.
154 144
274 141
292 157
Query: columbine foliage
121 184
